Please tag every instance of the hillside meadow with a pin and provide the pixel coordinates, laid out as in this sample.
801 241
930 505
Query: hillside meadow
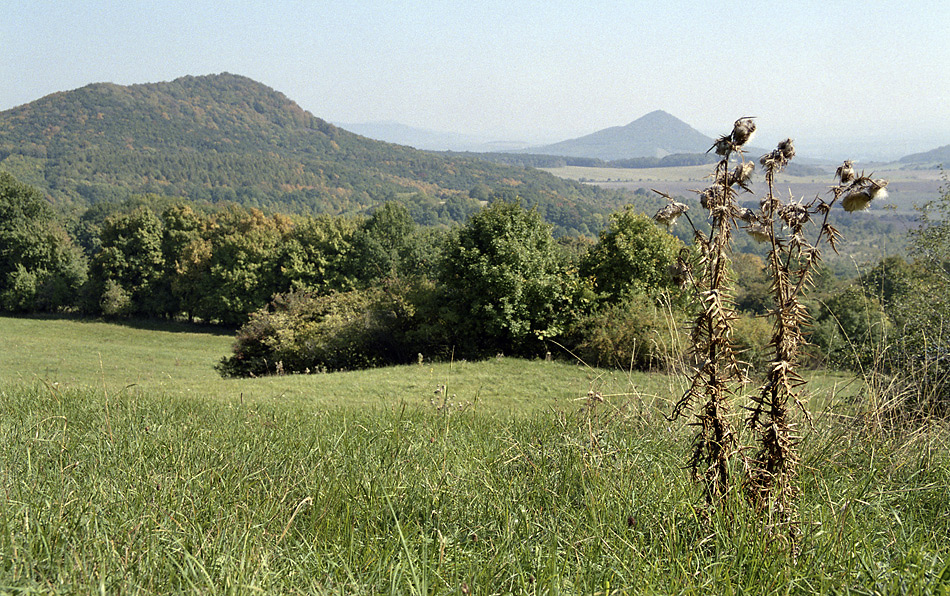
128 466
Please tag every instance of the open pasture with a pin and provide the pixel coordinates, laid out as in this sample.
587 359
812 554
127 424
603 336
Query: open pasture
365 483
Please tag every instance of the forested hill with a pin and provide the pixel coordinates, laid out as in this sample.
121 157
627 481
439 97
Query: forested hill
227 137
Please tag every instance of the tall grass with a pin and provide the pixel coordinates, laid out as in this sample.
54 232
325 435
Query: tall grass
148 493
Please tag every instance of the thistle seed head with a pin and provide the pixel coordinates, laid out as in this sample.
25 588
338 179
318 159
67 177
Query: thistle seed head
723 146
712 197
742 131
794 215
856 200
864 190
845 172
758 231
787 149
668 214
778 158
878 189
742 175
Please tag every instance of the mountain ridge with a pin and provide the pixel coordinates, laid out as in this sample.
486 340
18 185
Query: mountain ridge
655 134
227 137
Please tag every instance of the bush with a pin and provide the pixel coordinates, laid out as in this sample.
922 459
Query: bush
19 294
750 339
505 286
300 332
632 334
851 330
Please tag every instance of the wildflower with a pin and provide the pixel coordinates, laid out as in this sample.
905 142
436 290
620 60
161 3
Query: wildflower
668 214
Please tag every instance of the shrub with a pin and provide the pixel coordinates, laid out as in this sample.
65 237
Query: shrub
303 332
632 334
505 286
851 330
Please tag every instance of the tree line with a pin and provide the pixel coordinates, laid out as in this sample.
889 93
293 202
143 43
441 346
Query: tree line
331 292
500 283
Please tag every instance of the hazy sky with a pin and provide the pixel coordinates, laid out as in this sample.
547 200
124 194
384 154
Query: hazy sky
512 69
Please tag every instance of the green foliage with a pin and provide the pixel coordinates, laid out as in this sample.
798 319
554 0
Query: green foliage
753 288
302 332
851 329
632 256
40 268
751 336
504 283
226 138
243 269
632 334
129 264
317 254
922 312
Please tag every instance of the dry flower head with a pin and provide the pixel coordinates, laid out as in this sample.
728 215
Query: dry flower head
669 213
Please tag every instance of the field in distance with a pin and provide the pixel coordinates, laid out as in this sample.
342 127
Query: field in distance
907 187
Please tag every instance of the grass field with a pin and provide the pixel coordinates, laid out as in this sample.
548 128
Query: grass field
179 361
359 483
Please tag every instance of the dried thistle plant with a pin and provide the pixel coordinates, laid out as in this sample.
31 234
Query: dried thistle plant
772 468
716 371
792 261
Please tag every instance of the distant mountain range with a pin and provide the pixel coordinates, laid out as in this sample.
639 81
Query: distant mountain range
939 156
656 134
227 137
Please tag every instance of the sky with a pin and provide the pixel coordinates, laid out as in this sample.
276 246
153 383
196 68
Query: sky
874 72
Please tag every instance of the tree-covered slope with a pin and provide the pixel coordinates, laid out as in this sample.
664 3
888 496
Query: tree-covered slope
227 137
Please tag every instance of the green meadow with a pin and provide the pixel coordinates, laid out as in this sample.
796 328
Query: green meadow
128 466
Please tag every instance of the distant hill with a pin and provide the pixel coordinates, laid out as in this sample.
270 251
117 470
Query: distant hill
227 137
655 135
940 155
